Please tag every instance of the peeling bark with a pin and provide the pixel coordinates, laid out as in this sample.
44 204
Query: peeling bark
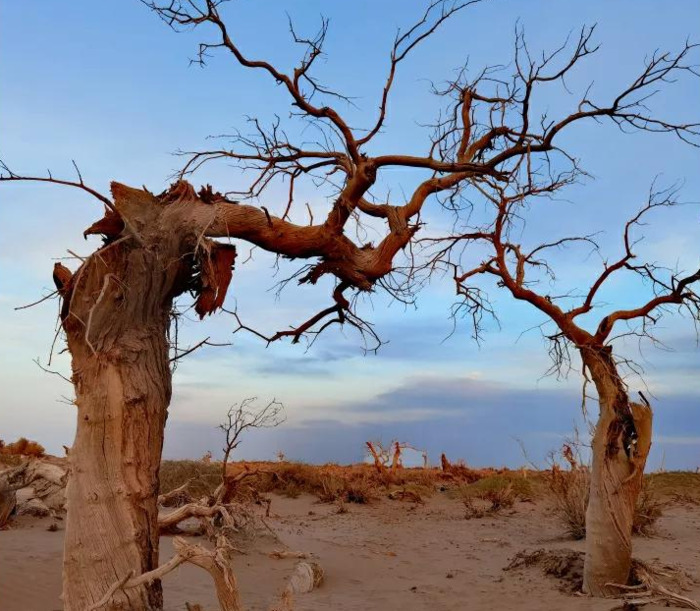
621 444
116 318
215 275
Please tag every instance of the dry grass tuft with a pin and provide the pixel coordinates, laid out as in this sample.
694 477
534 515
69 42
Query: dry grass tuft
570 493
570 490
648 510
489 497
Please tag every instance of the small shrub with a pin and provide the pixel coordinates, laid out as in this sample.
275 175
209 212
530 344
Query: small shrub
500 498
570 492
23 447
331 490
471 510
359 491
495 497
648 510
292 490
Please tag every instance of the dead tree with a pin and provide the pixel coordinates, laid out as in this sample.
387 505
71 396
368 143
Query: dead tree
216 513
117 305
240 418
491 105
623 433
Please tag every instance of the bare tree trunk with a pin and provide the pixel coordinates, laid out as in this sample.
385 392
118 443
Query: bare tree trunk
112 521
116 315
620 448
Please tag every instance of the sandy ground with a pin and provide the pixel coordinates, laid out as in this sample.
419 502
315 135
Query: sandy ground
384 556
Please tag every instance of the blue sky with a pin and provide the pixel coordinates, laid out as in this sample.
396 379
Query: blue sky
107 84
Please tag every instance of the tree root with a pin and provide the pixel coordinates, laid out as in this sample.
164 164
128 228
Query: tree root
645 587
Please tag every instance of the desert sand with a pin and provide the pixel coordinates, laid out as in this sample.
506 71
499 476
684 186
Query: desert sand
381 556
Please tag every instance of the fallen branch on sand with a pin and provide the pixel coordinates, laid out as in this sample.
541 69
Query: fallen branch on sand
169 522
175 496
215 562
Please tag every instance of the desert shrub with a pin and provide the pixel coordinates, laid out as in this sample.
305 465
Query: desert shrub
495 493
415 493
203 477
487 500
353 484
425 478
10 460
648 510
360 490
500 498
520 488
472 510
358 483
292 490
23 447
331 489
293 476
683 498
570 491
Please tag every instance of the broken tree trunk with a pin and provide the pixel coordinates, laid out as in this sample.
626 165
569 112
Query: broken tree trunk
216 562
116 314
620 448
378 464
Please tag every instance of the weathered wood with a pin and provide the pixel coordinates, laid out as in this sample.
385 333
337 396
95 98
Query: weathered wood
8 501
620 447
116 320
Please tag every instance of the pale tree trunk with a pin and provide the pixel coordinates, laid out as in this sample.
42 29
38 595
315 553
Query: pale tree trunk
620 448
116 315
